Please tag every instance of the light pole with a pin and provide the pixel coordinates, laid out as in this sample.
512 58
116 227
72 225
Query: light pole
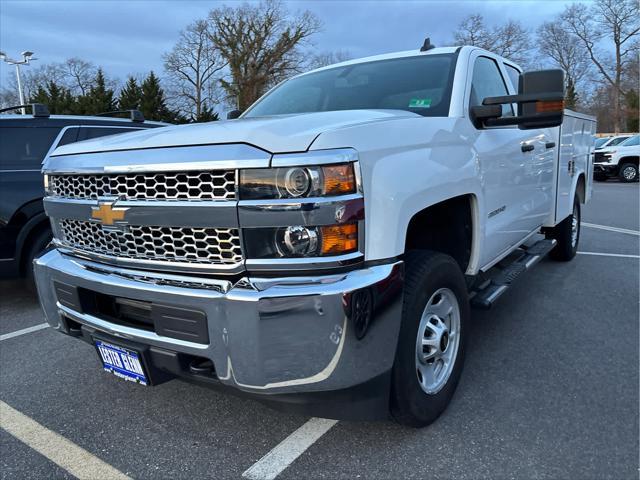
27 56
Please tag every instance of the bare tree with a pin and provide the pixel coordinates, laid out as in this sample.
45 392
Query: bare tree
74 74
261 45
614 20
329 58
510 40
79 75
473 31
36 76
193 68
564 50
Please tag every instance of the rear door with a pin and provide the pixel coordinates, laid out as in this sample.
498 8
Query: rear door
515 166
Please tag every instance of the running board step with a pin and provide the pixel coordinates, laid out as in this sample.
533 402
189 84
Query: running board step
487 294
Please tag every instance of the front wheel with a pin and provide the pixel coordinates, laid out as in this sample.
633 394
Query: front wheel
430 352
629 172
567 234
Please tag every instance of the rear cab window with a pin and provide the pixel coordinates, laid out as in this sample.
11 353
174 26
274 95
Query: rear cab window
514 75
87 133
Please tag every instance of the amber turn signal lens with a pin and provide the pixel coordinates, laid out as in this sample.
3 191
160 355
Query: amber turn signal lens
339 239
549 106
339 179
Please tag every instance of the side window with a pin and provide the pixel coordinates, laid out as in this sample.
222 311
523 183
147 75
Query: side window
69 136
95 132
487 81
24 148
617 141
514 76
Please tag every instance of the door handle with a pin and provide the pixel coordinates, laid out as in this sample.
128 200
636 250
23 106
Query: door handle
527 148
550 144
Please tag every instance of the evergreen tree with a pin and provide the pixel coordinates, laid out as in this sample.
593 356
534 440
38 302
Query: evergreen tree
571 96
130 95
153 103
206 114
41 96
99 99
58 99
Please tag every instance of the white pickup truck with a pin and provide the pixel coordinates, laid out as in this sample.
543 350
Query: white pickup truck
619 161
320 253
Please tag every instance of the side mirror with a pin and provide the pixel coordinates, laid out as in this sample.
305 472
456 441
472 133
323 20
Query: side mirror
233 114
540 102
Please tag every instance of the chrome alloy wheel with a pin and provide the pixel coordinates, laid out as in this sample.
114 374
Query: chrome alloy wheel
438 340
575 227
629 173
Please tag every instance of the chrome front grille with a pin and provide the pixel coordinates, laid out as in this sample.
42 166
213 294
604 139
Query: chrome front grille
171 244
197 185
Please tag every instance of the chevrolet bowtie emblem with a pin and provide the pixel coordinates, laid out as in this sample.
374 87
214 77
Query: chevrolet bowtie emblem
107 214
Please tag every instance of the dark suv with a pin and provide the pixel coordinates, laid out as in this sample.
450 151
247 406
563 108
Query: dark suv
25 140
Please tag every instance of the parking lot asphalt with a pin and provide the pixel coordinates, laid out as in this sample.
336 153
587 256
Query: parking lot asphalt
550 389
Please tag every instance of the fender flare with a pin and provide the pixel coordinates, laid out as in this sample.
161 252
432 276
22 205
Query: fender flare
26 232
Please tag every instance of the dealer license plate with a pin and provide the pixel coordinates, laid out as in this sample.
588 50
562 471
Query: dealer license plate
122 362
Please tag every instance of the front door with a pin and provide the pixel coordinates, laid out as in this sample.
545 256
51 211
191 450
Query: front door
516 168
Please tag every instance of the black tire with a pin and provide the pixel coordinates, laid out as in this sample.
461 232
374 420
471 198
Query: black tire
599 177
37 247
628 172
426 273
566 248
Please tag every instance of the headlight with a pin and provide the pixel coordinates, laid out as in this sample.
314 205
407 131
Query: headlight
46 183
297 182
301 241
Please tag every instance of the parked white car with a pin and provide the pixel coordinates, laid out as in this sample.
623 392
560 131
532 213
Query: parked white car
321 252
619 161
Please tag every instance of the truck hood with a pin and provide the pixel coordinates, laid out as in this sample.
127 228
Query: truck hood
276 134
617 148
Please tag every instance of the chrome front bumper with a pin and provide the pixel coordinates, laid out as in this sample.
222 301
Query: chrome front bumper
266 336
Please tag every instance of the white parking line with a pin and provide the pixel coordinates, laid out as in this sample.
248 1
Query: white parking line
24 331
285 453
600 254
74 459
611 229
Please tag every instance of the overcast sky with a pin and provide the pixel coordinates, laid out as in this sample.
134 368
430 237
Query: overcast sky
130 36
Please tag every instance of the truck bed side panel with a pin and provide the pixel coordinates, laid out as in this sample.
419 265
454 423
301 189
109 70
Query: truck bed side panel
575 144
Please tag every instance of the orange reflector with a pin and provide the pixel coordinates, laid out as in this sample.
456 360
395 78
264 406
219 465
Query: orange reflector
339 179
549 106
339 239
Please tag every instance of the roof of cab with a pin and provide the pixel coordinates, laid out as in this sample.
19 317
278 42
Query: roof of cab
81 118
389 56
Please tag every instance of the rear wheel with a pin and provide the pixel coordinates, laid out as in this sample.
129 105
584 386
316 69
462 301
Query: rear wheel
567 234
430 352
629 172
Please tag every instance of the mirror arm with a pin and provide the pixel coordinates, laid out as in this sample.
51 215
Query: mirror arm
523 98
504 121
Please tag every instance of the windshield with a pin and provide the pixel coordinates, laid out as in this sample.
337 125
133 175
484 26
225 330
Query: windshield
631 142
601 141
420 84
